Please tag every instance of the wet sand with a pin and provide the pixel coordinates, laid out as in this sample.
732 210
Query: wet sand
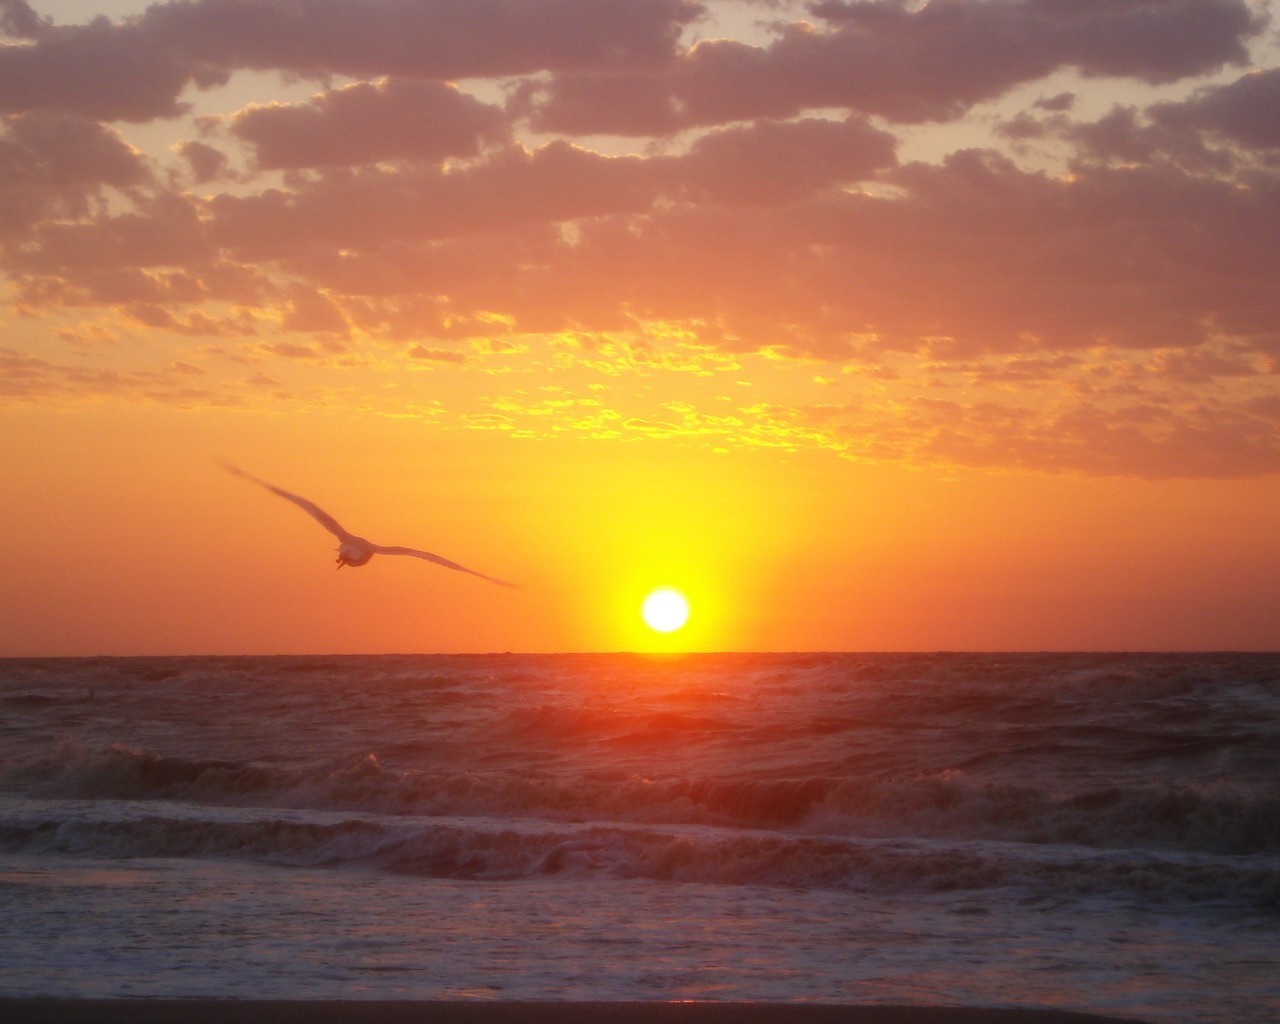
226 1011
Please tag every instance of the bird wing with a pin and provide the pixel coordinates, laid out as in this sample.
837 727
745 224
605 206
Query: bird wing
317 513
415 553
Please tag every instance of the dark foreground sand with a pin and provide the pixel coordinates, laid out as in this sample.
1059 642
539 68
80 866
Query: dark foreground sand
220 1011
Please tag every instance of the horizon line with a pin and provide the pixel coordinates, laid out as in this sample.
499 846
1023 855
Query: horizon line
816 652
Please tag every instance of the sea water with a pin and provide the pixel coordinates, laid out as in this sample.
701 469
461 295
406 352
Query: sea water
1097 832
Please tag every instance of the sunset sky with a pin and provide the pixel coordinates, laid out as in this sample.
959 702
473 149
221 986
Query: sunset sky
875 325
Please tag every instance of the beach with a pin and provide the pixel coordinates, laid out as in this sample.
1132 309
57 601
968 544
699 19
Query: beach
209 1011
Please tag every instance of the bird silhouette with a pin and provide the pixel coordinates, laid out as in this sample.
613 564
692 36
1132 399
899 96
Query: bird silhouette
352 550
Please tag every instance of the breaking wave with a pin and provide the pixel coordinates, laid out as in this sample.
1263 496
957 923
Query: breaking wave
1224 818
497 851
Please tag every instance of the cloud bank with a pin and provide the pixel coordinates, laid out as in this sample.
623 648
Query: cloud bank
1031 234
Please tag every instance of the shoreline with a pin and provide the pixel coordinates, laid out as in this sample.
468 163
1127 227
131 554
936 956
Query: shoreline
236 1011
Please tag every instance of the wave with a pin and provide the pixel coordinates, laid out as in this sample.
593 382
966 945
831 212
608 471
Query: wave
495 851
36 700
1225 819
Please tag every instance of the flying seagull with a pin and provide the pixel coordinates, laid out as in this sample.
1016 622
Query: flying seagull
353 550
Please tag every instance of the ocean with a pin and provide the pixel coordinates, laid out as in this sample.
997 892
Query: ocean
1084 831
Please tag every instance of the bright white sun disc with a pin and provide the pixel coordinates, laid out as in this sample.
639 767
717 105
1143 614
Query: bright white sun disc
665 610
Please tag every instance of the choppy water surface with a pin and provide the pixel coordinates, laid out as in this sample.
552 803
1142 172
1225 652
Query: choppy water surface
1092 831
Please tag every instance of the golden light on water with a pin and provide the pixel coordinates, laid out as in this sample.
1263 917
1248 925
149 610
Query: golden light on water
665 610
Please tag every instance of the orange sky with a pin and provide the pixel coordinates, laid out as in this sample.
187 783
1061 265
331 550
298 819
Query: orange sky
867 325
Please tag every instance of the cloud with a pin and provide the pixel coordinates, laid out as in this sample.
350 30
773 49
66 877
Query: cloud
909 65
778 162
1128 136
19 21
54 165
436 355
163 230
1154 40
1144 440
369 122
1108 435
207 163
971 255
1218 129
313 312
28 378
1247 111
136 70
372 206
100 70
60 151
358 210
442 39
1069 294
1204 364
193 323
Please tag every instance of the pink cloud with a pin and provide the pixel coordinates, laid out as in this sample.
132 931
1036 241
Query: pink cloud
1218 130
161 231
368 122
19 21
779 162
1116 313
137 69
1155 40
1247 111
371 206
100 70
420 38
769 162
27 378
53 165
314 312
207 163
908 65
1126 136
973 255
1202 365
1144 440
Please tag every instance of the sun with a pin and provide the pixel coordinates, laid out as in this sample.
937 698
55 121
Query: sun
665 610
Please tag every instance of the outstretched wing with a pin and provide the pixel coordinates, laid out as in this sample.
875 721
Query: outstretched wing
317 513
413 552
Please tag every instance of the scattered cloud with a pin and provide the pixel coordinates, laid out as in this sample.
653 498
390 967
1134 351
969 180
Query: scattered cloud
908 63
369 122
528 187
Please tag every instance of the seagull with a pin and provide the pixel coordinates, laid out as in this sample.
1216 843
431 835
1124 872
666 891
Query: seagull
353 550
